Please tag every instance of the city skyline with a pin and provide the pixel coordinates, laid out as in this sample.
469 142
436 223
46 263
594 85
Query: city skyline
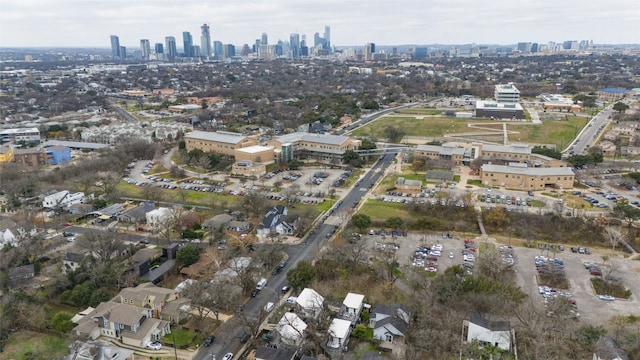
74 23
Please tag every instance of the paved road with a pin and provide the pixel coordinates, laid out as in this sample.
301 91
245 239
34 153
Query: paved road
228 339
591 132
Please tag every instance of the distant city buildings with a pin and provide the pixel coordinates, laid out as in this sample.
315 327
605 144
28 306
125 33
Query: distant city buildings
297 46
205 41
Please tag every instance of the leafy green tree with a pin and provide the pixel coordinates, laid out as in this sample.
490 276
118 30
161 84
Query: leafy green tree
370 104
188 254
99 203
620 107
296 164
368 144
543 150
394 222
352 158
361 221
61 322
301 276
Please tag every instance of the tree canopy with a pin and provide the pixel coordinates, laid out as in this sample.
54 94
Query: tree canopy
188 254
301 276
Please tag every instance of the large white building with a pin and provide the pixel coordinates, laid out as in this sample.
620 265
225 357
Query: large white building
507 93
63 199
28 135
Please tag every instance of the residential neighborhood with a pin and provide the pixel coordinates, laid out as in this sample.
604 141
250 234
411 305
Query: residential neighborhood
260 208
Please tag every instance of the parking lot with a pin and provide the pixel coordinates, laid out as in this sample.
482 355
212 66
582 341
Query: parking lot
591 308
405 248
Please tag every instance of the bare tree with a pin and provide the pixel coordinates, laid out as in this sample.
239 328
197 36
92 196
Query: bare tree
102 246
210 298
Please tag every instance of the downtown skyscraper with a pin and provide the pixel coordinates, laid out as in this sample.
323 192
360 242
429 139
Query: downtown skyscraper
205 41
145 49
115 47
187 42
170 48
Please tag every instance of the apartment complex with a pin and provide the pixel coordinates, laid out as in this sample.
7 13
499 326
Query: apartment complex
19 135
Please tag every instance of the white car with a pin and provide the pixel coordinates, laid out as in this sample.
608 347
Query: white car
606 297
450 255
466 257
437 247
227 356
154 345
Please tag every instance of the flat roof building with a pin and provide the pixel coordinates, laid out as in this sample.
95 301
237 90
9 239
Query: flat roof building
221 142
499 110
506 93
320 147
522 177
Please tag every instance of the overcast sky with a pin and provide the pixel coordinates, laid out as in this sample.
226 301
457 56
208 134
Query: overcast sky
76 23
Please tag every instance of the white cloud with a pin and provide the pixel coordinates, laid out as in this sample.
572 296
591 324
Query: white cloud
90 22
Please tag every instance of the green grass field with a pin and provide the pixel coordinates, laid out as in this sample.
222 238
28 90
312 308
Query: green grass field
427 127
420 111
25 345
380 211
559 133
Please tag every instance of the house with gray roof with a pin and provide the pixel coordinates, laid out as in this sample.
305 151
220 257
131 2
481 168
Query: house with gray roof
390 323
71 262
21 277
130 324
270 353
277 221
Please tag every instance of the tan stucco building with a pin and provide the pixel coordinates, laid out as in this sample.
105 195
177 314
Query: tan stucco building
248 169
519 176
255 153
319 147
220 142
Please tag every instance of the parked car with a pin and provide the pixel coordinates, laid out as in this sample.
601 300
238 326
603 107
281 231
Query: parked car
245 338
255 293
606 297
209 340
285 289
227 356
154 345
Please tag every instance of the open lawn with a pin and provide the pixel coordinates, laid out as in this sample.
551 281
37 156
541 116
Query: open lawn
428 126
560 132
420 111
390 181
183 337
380 211
325 205
26 345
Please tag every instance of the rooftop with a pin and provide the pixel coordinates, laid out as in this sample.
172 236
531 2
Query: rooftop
312 138
219 136
531 171
353 301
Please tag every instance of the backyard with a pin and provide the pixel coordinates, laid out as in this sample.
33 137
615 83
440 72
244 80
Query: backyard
26 345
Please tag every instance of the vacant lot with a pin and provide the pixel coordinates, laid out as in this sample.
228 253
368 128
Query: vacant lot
380 211
416 126
559 133
23 345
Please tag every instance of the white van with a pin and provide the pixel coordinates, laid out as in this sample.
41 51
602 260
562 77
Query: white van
261 284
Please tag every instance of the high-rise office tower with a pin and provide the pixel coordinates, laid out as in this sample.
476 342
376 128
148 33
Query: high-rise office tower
369 50
534 47
294 45
115 47
205 41
187 43
229 51
171 51
145 49
264 40
123 53
218 50
159 48
524 47
327 36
